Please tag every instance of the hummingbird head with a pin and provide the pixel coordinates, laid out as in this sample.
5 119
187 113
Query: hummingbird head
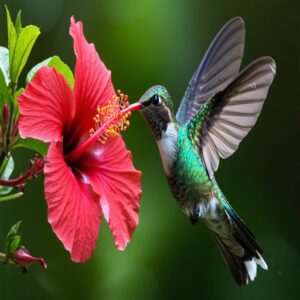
157 109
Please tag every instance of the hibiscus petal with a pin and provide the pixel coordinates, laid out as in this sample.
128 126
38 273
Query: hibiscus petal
46 106
111 173
93 84
73 208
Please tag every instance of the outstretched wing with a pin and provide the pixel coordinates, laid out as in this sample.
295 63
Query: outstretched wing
219 67
227 118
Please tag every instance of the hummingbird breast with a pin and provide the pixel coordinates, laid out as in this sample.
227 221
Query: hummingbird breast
188 179
167 146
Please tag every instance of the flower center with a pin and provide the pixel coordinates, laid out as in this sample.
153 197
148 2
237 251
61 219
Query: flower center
112 111
109 121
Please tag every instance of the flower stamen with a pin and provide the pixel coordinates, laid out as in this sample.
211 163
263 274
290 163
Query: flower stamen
111 111
101 132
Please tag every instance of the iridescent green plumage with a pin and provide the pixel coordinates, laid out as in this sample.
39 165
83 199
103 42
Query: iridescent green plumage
218 110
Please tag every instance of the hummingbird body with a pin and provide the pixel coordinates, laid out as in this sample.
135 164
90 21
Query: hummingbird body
187 177
197 195
218 110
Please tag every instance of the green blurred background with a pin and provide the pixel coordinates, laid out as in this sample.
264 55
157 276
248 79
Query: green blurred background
161 42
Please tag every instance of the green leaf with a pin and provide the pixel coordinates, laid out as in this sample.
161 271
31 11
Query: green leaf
4 190
33 71
7 168
12 38
58 64
4 63
13 244
4 91
14 229
22 50
63 69
20 43
5 172
4 77
18 23
33 144
12 241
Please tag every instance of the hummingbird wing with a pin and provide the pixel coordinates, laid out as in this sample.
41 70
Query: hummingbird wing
226 119
219 67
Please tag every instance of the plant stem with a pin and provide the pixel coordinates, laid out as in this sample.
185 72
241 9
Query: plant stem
11 118
35 169
14 129
17 181
2 157
5 260
2 257
11 197
6 138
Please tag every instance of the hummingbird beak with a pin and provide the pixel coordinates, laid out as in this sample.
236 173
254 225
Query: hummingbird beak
143 103
133 107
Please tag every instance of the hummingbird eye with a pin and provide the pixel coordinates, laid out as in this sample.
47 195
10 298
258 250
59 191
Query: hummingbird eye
156 99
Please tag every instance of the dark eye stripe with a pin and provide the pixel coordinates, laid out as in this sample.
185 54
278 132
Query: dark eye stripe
147 103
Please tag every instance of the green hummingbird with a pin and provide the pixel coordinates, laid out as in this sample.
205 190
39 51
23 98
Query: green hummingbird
220 106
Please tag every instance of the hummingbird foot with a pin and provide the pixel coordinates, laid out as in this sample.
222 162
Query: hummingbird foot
194 216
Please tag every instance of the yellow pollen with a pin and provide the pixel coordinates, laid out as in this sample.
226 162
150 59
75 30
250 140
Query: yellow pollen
108 112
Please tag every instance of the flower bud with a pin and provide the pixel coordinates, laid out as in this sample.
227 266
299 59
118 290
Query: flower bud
5 114
23 258
21 187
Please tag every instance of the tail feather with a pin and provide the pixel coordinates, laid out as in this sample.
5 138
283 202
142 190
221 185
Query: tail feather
243 267
243 233
236 264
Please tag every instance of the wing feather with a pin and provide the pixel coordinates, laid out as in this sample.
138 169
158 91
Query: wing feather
233 113
219 67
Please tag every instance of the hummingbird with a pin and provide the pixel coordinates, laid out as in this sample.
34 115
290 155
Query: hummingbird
219 108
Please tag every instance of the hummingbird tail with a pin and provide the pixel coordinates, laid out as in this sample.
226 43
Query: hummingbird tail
239 248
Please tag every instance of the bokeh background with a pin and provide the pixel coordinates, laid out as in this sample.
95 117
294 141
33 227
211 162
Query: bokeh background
161 42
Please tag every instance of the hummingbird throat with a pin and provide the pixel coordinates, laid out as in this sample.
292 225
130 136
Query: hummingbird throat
158 121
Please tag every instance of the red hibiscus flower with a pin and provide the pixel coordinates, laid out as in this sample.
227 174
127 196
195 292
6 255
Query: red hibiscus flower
83 175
